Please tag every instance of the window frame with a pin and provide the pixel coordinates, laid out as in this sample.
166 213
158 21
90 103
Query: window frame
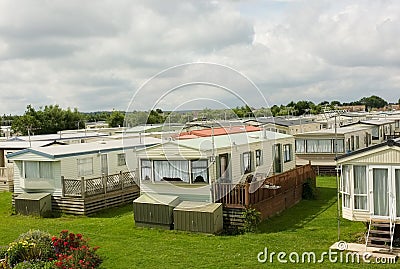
246 168
259 157
355 195
287 153
121 159
86 172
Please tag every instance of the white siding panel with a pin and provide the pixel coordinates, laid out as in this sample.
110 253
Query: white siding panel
387 156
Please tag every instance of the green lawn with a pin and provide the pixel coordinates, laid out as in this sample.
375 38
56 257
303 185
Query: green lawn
309 226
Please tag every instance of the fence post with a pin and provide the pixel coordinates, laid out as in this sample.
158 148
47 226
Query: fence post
104 179
83 189
121 180
62 186
246 194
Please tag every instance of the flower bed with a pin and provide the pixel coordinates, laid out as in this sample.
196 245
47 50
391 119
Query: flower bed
37 249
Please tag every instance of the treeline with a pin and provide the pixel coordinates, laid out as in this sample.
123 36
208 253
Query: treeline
52 118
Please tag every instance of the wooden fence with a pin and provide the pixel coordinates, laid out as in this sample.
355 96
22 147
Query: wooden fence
245 195
86 187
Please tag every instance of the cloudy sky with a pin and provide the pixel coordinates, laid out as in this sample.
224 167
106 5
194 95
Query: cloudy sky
135 55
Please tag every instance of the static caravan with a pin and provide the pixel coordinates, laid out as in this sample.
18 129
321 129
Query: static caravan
319 147
187 168
78 170
370 187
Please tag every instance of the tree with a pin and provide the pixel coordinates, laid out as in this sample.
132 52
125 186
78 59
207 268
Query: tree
116 119
155 117
373 102
47 120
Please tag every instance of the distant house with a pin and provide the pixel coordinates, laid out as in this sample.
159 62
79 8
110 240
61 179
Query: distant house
370 188
319 147
78 170
188 167
283 125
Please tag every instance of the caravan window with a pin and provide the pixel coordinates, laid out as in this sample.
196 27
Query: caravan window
246 162
121 159
199 171
145 169
259 160
345 186
85 167
287 152
360 187
170 170
36 170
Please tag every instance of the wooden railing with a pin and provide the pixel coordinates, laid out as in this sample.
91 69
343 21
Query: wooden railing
246 194
85 187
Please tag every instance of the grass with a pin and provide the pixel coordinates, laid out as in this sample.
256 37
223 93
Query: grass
308 226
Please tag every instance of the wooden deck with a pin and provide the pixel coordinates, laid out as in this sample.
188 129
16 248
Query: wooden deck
85 196
269 196
6 179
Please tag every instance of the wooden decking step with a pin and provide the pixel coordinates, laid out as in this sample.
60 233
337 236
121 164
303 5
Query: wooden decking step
379 232
380 224
379 246
379 239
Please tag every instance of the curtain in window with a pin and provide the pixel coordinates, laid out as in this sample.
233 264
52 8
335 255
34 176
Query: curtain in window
325 145
146 170
200 171
345 186
46 170
360 187
300 145
380 188
171 170
246 163
312 145
397 183
32 169
340 145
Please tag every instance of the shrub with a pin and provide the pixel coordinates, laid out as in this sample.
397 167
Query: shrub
251 219
309 190
73 251
34 245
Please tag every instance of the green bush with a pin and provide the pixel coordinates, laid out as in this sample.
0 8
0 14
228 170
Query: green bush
309 190
251 219
34 245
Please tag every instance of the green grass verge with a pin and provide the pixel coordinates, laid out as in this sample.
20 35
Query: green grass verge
308 226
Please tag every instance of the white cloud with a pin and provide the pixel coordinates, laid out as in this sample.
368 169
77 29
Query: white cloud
94 54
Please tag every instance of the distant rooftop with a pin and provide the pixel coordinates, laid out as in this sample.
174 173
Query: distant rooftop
283 121
60 151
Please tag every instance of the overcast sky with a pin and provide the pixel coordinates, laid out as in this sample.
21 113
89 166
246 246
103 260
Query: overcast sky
95 55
